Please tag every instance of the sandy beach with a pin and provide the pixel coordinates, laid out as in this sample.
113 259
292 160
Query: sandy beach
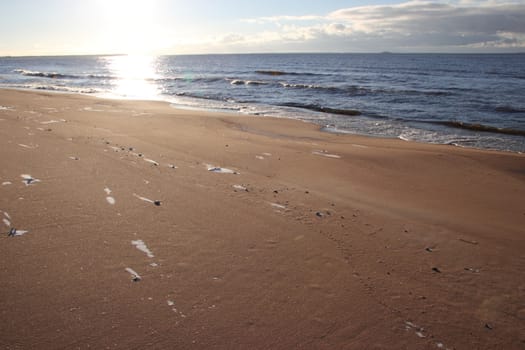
132 225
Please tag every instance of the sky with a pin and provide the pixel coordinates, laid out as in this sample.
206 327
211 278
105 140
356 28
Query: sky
66 27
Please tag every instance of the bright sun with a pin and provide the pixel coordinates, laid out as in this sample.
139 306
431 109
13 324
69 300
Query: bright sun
130 26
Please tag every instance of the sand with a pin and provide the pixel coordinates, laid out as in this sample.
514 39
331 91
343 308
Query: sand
137 225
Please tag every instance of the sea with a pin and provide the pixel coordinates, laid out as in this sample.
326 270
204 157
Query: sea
466 100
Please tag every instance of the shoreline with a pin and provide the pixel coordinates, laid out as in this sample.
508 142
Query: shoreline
484 129
137 224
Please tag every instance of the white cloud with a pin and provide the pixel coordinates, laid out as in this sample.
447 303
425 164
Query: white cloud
413 25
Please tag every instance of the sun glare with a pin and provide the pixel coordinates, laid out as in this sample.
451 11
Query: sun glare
130 26
135 76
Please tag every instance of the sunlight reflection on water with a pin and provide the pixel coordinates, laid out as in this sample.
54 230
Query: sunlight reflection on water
135 76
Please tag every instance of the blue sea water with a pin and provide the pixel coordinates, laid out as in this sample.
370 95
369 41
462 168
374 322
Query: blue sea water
461 99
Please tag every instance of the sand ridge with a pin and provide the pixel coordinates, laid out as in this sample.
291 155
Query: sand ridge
310 240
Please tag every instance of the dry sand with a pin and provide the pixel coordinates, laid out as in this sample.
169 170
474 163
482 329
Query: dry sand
338 242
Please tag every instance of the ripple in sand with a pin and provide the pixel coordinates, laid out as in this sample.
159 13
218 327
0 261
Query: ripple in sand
140 245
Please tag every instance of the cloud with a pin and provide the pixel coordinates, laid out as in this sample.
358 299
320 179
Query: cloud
414 25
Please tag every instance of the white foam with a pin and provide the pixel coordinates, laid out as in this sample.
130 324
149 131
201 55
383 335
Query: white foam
110 200
151 161
259 157
170 302
7 222
6 108
153 264
25 146
28 179
5 183
140 245
134 275
107 190
239 187
326 154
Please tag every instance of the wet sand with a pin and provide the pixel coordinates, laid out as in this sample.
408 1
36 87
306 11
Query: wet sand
129 224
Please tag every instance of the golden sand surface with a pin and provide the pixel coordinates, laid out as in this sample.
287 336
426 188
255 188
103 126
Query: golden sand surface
155 227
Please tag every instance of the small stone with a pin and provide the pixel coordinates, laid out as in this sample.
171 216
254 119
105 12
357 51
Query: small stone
489 326
157 203
435 269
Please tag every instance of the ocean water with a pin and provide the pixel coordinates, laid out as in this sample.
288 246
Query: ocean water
464 100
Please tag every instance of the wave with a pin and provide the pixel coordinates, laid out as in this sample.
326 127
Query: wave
479 127
279 73
247 82
509 109
55 75
317 108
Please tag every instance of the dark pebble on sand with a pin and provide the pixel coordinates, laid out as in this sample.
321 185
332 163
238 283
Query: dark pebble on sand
435 269
319 214
429 250
157 203
489 326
